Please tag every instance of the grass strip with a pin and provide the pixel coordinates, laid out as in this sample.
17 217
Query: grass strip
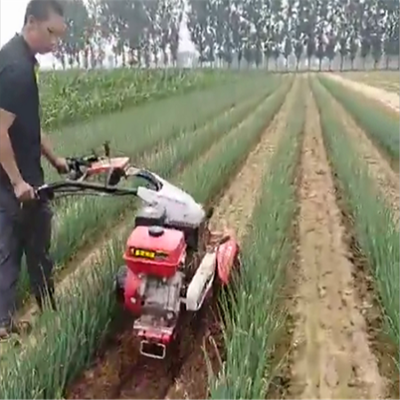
251 313
373 220
85 218
45 369
382 130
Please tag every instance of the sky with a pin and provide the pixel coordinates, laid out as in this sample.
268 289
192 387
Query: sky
12 17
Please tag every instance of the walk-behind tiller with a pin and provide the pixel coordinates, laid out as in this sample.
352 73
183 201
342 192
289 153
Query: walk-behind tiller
172 260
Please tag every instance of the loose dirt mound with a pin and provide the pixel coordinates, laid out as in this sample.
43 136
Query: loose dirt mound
331 357
390 100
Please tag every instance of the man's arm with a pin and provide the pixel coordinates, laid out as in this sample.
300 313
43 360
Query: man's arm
7 157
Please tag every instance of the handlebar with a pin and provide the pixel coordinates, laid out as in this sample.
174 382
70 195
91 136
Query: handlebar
47 191
81 168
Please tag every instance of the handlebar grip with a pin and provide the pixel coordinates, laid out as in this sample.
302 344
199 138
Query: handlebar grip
44 193
74 168
76 165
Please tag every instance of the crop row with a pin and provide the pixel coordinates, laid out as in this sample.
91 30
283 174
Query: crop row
43 369
383 131
251 310
77 224
71 97
373 220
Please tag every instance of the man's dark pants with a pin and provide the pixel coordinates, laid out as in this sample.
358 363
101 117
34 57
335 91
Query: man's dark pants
23 229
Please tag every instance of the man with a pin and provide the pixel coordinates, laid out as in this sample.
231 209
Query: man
25 223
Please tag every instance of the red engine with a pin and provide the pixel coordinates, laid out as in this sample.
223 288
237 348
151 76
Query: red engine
155 251
155 281
155 258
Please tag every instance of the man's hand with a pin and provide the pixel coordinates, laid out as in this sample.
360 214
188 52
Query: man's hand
23 191
61 165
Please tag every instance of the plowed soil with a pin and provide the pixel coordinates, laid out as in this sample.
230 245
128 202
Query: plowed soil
331 355
121 372
389 99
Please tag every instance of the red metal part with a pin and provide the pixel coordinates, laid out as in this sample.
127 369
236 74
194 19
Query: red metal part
226 256
132 299
108 164
158 256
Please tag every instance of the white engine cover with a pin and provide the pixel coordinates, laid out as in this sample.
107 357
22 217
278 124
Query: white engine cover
201 282
179 206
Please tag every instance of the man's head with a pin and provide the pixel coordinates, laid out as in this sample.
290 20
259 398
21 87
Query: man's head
44 25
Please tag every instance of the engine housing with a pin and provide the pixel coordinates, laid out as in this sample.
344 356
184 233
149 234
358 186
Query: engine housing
156 216
155 251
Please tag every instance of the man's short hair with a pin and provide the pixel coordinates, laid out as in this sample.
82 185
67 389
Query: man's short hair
39 9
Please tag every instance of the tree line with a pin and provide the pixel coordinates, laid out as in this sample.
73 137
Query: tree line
231 32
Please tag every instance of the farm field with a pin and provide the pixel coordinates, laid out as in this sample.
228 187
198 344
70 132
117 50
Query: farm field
305 171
